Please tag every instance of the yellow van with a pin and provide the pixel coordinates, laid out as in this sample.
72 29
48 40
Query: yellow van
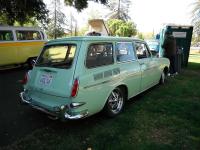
19 45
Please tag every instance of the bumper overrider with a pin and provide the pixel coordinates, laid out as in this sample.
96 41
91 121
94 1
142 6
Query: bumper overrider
63 112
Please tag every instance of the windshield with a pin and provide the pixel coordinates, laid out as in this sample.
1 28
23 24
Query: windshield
58 56
153 45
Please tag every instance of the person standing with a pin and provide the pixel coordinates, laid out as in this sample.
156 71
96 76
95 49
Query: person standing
169 47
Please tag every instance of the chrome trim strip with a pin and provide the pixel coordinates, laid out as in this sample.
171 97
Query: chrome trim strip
54 115
23 100
111 80
78 116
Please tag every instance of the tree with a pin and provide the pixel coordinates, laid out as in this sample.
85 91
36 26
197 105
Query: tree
121 28
23 11
196 18
81 4
120 9
57 21
140 36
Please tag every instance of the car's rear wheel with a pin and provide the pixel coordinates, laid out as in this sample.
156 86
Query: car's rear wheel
115 102
162 78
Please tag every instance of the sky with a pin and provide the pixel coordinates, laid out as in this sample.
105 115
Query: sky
148 15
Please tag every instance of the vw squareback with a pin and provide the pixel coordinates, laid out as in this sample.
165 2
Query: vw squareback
79 76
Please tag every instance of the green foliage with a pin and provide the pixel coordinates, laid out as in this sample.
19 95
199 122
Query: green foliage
82 31
81 4
196 20
140 36
53 32
121 28
57 21
145 35
119 9
22 11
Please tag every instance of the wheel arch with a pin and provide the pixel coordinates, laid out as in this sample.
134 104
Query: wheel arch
166 70
125 90
121 86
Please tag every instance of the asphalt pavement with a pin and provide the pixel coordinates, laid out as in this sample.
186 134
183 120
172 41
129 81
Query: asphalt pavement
16 120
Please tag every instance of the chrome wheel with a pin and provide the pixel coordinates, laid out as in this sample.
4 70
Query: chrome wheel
115 102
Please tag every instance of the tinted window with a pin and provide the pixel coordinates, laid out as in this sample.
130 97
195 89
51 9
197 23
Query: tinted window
6 36
99 54
28 35
125 51
142 50
59 56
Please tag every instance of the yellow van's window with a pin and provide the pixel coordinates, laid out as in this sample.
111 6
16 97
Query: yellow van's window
28 35
6 36
59 56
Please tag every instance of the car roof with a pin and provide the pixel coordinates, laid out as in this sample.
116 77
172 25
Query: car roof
94 38
18 28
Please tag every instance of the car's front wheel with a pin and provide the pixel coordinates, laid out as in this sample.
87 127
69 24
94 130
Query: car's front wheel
115 102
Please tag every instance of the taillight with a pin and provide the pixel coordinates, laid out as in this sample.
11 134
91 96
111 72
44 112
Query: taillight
25 79
75 88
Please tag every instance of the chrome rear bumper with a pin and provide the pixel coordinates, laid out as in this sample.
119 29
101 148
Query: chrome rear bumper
57 114
23 98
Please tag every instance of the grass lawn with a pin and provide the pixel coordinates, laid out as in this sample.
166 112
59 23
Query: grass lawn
164 117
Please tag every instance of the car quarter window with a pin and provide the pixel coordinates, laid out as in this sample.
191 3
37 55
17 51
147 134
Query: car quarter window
142 50
6 35
125 51
99 54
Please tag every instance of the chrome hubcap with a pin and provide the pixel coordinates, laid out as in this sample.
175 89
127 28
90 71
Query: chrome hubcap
115 101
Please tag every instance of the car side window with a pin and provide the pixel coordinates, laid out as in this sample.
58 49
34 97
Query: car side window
142 50
99 54
6 36
28 35
125 51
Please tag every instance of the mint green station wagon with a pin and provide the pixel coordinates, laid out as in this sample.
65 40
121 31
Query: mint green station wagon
77 77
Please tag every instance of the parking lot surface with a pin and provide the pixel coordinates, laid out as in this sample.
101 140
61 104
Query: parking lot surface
16 120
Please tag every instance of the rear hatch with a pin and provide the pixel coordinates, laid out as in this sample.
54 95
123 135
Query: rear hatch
54 70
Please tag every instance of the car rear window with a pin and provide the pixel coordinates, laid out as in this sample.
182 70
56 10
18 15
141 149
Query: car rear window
57 56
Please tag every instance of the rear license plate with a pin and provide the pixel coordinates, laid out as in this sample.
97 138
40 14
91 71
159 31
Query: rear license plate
46 79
